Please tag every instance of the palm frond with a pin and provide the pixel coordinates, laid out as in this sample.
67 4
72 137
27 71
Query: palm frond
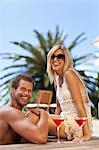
42 41
15 66
30 48
77 41
9 74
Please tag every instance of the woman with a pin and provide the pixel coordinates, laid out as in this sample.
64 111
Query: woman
71 94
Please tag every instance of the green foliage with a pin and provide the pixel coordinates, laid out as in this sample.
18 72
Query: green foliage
94 97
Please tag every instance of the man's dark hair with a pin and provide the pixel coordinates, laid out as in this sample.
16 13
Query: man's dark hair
26 77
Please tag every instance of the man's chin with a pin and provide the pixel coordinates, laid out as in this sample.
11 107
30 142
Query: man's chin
24 103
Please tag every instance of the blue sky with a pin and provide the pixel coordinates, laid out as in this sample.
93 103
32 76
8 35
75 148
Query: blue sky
18 19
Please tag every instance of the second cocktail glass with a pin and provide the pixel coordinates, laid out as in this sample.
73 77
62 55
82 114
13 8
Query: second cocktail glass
58 120
81 121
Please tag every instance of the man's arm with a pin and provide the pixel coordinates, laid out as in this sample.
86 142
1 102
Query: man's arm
35 133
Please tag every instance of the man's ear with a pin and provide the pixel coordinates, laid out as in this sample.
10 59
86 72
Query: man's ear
13 90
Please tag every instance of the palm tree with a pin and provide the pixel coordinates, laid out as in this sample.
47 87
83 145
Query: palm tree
35 62
94 96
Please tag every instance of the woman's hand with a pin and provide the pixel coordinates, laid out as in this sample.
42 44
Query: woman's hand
86 138
78 139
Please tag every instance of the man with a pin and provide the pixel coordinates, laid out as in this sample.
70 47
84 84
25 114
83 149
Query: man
14 124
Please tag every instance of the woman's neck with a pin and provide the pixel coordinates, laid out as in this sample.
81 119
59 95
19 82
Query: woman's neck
59 73
60 78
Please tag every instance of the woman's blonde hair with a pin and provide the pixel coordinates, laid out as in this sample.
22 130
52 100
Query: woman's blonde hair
68 61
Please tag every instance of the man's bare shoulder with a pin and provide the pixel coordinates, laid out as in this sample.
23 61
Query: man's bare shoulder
5 107
3 123
9 112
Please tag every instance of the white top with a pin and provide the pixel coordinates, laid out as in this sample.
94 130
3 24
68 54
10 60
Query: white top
64 97
67 104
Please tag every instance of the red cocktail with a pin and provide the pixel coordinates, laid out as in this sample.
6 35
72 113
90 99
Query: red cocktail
81 121
58 120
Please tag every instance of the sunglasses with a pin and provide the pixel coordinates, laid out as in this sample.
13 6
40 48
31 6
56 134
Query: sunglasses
59 56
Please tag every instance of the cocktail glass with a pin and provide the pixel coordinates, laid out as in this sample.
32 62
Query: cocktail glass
81 121
58 120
